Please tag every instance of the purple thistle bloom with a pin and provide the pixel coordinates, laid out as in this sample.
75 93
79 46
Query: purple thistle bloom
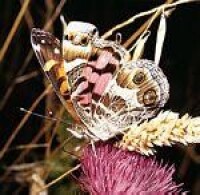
110 170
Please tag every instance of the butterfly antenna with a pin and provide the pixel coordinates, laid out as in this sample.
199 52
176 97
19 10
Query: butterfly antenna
64 24
43 116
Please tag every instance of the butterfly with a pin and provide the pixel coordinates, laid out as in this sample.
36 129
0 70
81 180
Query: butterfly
97 82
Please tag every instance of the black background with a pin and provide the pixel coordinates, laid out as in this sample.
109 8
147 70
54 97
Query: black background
180 61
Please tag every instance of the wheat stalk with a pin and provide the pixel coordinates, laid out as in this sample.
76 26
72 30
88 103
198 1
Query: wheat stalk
164 130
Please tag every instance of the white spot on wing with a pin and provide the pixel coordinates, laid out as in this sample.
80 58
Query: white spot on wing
43 41
36 47
56 51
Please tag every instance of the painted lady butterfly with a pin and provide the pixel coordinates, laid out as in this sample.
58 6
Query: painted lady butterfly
98 83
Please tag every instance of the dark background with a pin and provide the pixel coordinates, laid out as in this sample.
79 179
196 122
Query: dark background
180 61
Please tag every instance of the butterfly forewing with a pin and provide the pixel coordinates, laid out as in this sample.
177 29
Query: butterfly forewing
48 51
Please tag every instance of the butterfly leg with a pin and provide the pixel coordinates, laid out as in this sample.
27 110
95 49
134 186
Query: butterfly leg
77 134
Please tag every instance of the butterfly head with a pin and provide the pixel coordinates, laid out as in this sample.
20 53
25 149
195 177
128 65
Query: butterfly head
79 33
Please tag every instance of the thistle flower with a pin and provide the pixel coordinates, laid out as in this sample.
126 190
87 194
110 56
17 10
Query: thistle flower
164 130
110 170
